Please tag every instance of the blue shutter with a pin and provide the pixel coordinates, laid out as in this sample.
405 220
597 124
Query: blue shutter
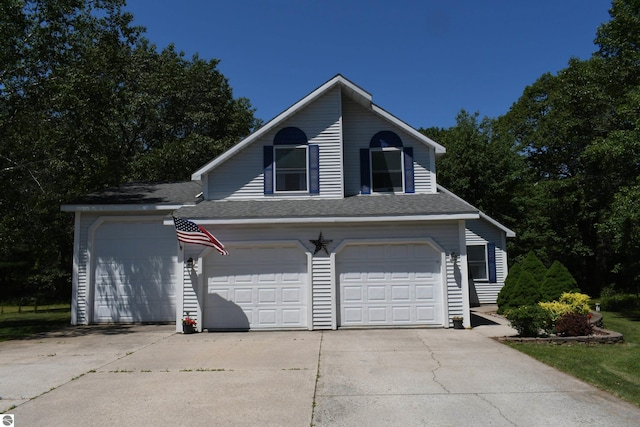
409 186
365 172
314 169
491 260
268 169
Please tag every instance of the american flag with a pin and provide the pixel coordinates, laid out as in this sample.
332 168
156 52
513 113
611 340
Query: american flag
189 232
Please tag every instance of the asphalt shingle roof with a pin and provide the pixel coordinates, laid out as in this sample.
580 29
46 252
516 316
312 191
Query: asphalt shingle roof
348 207
144 193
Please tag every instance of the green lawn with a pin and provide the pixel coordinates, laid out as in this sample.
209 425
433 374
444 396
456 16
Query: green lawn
611 367
15 325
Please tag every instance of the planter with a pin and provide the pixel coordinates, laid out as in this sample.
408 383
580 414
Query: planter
188 329
457 324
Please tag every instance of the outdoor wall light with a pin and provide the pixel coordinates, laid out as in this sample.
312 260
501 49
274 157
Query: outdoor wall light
454 257
190 263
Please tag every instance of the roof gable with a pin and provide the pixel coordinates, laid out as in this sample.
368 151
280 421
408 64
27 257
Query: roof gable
349 89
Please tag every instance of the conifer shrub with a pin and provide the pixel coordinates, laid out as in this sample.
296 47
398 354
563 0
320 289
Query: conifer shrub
524 292
519 291
532 264
557 281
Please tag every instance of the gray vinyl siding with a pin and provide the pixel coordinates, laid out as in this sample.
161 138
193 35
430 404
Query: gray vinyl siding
242 176
360 125
481 232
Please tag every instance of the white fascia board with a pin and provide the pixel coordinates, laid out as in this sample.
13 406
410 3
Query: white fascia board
197 175
119 208
508 231
404 126
332 220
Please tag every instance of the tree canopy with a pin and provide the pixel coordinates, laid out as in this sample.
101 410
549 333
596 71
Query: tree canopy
86 102
571 160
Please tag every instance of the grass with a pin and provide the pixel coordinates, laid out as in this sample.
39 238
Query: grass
16 325
611 367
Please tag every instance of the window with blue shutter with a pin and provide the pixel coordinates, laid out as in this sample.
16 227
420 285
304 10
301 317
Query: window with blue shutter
291 164
365 174
386 166
314 169
268 169
491 261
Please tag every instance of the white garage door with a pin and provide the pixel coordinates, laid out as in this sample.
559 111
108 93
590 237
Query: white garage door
134 276
256 288
390 285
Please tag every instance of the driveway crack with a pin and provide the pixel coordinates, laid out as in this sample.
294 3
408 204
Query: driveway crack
497 409
315 388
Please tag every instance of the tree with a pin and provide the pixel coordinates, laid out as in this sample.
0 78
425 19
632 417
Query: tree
481 166
557 281
87 103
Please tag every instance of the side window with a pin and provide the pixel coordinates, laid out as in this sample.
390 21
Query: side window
386 166
386 170
477 262
290 168
291 164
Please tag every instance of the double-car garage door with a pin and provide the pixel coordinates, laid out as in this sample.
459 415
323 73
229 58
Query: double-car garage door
377 285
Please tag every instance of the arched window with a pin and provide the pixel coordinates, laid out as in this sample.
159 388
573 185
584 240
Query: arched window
387 166
291 164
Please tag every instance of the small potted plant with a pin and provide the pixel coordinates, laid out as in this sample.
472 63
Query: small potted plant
457 322
188 325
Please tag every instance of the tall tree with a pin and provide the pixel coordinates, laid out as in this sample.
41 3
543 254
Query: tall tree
86 102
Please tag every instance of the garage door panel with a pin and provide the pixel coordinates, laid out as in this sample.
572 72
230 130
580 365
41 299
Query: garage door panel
389 284
424 292
426 314
273 291
401 314
133 272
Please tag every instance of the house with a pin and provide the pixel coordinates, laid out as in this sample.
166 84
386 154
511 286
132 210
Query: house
332 217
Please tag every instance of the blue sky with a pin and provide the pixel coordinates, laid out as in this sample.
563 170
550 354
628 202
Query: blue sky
422 60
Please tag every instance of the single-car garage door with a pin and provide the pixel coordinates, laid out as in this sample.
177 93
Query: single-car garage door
134 276
256 288
390 285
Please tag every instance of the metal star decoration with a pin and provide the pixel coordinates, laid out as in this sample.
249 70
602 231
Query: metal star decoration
321 244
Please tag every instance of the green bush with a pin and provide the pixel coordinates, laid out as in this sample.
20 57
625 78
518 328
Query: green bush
557 281
524 292
619 302
522 285
529 320
574 325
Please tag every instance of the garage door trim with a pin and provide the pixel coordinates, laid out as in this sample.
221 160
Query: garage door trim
389 241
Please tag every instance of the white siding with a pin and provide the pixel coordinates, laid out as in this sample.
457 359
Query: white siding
322 293
242 177
360 125
481 232
323 281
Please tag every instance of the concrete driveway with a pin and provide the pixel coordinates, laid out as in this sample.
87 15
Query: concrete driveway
148 375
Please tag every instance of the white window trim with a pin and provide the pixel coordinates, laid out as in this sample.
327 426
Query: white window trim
486 262
399 149
275 169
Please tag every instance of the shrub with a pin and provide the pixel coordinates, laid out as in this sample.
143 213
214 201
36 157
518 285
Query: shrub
579 303
532 264
556 281
574 325
522 285
619 302
529 320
